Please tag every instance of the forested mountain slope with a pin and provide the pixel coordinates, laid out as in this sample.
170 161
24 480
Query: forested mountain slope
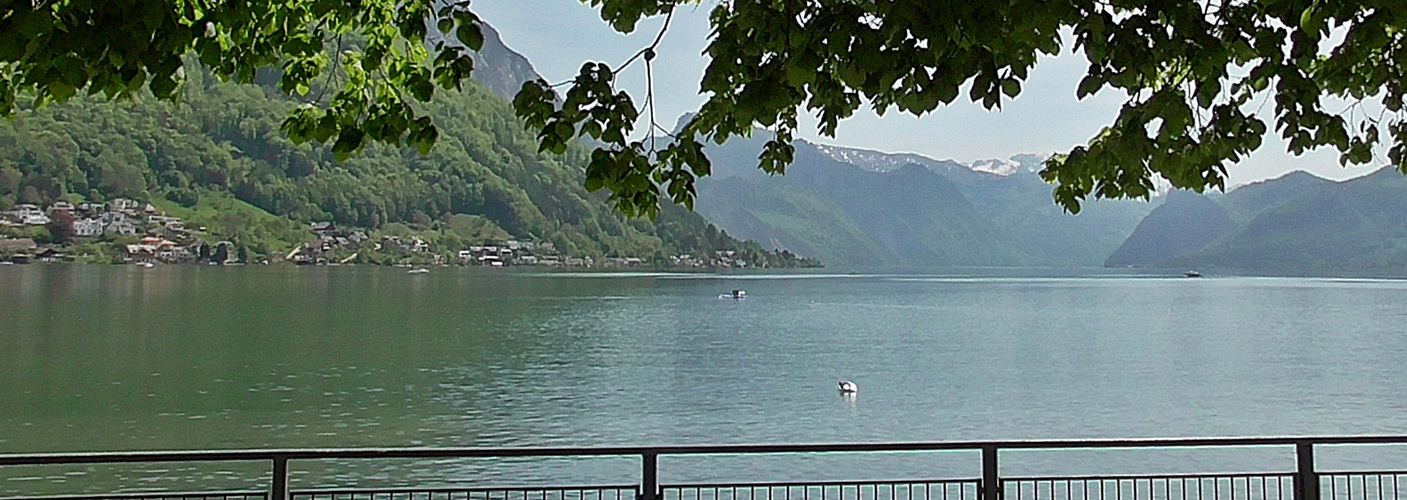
226 138
1185 222
1297 224
1355 227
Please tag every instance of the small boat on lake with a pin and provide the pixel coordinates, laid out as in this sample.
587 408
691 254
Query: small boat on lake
418 270
1192 274
849 387
736 295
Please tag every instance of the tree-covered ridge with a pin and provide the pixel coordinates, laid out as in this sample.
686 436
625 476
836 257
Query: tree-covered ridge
1297 224
226 138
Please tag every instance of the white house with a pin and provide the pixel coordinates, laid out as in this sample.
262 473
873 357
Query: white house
29 215
119 227
122 204
88 227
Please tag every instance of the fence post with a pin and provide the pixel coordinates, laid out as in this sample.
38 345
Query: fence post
991 484
279 488
1306 480
650 476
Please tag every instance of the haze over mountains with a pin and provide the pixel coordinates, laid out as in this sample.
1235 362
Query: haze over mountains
1297 224
860 208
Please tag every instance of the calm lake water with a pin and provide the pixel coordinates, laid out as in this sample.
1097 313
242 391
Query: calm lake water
121 358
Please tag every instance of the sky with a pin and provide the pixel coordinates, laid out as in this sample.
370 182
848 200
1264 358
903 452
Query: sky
559 35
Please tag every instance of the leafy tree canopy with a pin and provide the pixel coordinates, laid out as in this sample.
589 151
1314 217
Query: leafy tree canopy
1196 73
54 49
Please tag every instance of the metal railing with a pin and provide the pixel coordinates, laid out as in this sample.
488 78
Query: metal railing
209 495
935 489
619 492
1275 486
1302 483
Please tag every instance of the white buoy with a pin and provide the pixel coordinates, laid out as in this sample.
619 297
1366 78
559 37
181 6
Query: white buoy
849 387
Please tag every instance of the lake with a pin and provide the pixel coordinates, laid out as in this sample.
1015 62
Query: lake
122 358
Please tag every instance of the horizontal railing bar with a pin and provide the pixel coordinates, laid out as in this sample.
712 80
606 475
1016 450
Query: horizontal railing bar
422 453
820 483
1143 477
152 494
368 491
1363 473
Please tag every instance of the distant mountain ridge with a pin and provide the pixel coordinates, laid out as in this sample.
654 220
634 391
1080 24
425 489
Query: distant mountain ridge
1297 224
863 208
499 68
879 161
1185 222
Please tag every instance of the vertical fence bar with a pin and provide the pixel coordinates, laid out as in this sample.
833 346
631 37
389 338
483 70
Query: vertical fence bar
991 484
1306 480
279 488
650 476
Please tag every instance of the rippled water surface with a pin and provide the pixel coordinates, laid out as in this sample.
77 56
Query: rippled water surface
118 358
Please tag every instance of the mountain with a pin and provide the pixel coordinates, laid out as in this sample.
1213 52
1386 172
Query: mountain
793 217
878 161
1185 222
1247 201
827 207
1296 224
863 208
221 146
1355 227
500 69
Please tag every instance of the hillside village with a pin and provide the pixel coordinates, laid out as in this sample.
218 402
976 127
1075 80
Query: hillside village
143 234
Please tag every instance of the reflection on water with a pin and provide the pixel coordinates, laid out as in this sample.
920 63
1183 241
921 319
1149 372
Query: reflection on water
120 358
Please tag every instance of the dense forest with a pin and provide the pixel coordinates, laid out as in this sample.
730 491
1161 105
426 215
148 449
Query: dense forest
223 141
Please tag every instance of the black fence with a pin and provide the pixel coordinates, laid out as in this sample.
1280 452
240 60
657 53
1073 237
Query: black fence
1300 482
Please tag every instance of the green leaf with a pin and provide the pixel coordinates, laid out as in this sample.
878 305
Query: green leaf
470 35
1011 87
349 140
1089 85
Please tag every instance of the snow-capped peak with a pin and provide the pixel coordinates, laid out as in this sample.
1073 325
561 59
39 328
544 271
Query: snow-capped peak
995 166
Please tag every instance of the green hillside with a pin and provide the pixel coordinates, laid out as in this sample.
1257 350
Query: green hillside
1245 202
783 214
1297 224
1354 227
220 153
1185 222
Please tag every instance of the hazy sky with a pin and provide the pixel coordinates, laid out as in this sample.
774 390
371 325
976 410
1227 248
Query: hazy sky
559 35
